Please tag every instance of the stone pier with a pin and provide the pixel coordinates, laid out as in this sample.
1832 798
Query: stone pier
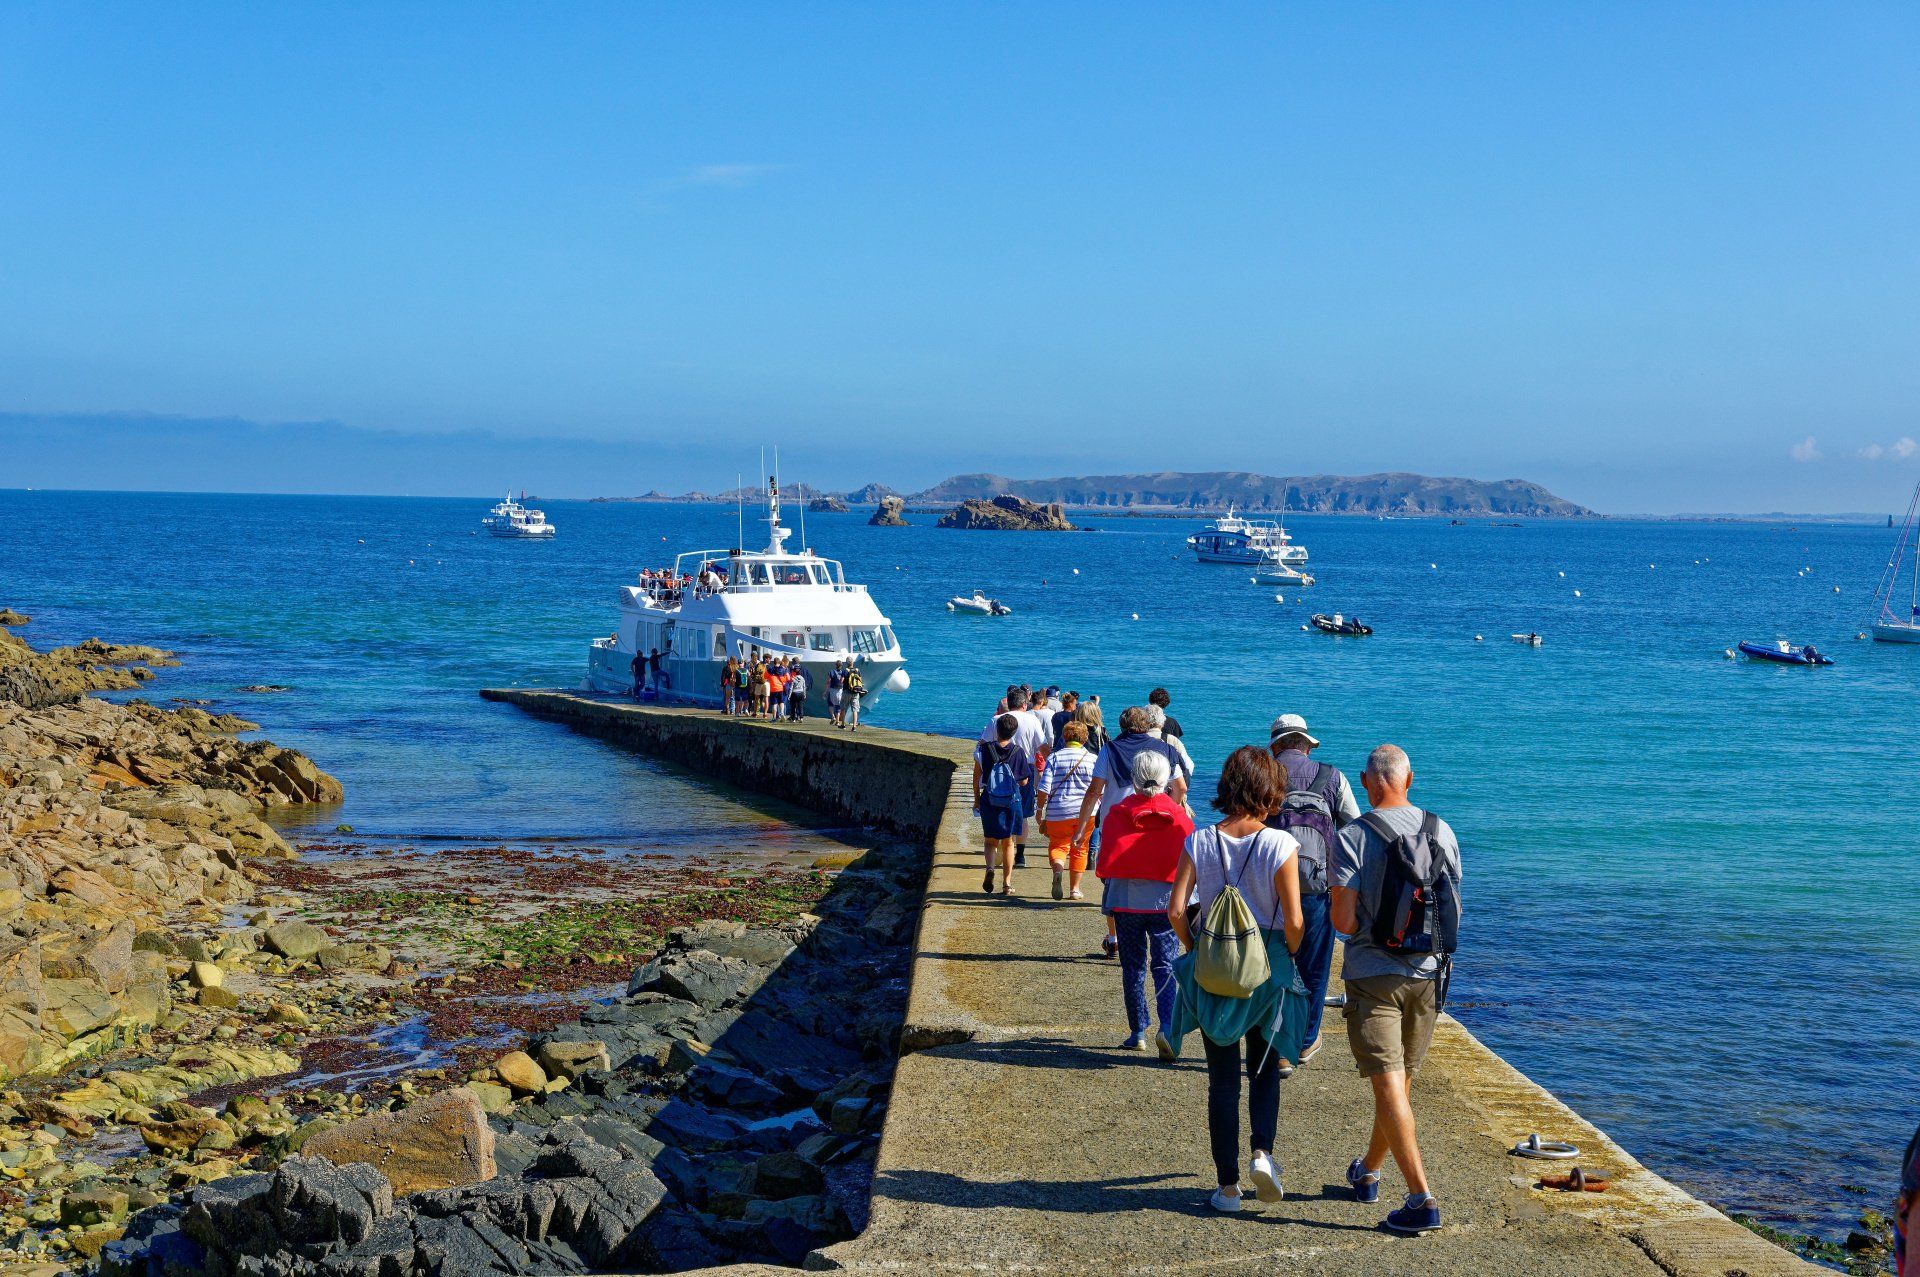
1020 1140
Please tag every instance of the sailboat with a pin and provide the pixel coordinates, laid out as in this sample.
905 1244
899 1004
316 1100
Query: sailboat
1897 620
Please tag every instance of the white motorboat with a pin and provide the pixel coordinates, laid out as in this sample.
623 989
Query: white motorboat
1275 572
512 519
776 602
1233 539
1897 620
978 604
1530 639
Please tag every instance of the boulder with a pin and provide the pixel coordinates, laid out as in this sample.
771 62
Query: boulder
74 1007
206 975
571 1059
826 505
517 1070
493 1097
296 939
217 997
699 976
363 955
441 1142
94 1206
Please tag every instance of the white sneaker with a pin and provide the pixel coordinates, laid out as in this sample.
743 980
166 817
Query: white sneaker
1221 1202
1266 1178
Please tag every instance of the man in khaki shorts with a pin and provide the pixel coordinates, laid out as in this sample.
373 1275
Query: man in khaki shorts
1393 1000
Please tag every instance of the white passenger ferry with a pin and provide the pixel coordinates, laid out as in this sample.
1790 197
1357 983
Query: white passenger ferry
1233 539
713 604
512 519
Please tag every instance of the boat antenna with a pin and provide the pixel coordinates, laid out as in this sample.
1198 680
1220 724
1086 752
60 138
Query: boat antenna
800 495
740 510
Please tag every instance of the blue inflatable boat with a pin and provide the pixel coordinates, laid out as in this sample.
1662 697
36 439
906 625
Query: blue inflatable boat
1785 653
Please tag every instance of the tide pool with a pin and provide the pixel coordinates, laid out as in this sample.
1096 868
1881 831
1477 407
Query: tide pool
1685 874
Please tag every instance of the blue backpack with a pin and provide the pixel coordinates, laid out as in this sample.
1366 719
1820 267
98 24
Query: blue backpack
1003 782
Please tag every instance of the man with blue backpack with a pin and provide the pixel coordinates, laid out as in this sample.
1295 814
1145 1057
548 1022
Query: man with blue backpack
1395 894
1002 794
1318 805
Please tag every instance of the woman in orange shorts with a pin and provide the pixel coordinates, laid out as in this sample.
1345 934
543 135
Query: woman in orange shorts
1062 787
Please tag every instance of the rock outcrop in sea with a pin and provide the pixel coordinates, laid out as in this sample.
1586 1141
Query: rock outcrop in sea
1007 513
826 505
889 513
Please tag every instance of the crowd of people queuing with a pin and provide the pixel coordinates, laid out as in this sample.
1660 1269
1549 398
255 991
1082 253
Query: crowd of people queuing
1227 928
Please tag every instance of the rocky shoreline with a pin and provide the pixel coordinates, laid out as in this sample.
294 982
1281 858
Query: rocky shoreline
226 1058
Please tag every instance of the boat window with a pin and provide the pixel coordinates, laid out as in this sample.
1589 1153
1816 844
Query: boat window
791 573
794 638
760 576
887 640
702 651
821 640
863 641
819 574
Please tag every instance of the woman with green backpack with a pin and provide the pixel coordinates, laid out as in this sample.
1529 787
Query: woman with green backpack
1236 907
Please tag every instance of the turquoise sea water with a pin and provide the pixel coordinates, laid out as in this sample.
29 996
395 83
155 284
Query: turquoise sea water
1687 876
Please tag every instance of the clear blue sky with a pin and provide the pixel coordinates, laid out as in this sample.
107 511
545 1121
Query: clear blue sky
1641 253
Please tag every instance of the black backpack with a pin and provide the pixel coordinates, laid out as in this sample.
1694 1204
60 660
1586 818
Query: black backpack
1417 912
1308 815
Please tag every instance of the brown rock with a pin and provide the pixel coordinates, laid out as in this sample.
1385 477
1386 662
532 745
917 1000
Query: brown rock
75 1007
517 1070
184 1135
215 996
571 1059
296 939
441 1142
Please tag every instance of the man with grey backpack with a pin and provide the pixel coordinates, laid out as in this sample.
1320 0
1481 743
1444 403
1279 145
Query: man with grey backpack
1319 804
1396 895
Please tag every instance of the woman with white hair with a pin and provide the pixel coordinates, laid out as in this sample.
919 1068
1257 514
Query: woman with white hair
1140 846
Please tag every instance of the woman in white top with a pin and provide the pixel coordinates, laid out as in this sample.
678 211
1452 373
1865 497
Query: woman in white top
1240 850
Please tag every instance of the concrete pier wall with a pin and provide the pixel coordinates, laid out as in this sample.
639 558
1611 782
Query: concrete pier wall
897 781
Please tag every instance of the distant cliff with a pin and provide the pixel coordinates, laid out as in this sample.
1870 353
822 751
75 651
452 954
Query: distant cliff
1196 492
1413 494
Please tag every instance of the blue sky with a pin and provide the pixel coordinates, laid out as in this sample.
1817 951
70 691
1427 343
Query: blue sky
1642 254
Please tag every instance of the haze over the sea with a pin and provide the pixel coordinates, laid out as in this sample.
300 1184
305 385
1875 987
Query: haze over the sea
1654 259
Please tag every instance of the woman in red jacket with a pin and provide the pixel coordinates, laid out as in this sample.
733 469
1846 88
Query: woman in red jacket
1140 844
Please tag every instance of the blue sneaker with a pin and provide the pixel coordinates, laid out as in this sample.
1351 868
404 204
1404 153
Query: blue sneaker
1138 1042
1420 1215
1365 1183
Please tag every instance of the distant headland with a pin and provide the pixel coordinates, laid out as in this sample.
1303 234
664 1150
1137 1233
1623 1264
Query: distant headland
1182 492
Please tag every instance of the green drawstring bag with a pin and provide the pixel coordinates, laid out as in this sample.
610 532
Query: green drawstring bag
1229 953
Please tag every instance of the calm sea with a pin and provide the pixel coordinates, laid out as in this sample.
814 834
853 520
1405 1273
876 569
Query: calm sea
1687 876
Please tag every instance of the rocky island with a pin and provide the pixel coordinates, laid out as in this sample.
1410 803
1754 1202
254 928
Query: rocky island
1006 513
827 505
1396 494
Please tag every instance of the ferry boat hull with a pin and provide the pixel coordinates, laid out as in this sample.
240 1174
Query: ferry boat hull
695 682
521 532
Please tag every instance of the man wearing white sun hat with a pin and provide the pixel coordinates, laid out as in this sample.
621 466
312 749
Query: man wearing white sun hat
1319 804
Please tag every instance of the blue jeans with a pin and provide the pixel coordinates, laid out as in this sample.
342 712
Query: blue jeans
1315 959
1223 1101
1147 944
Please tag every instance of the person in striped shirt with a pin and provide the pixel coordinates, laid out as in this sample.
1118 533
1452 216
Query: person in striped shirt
1063 787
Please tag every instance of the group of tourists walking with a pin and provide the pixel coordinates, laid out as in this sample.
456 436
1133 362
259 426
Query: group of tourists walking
1228 928
775 688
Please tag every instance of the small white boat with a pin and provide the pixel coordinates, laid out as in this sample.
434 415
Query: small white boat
1274 571
978 605
1530 639
512 519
